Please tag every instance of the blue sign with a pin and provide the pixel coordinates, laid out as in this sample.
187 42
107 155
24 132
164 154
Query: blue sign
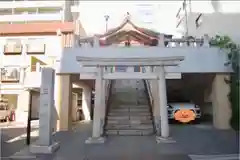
121 68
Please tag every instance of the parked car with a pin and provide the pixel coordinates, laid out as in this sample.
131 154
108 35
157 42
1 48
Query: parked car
173 108
5 113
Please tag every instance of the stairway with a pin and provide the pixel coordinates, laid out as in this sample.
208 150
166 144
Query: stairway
129 112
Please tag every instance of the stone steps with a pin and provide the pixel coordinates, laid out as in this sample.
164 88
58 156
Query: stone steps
129 127
137 117
129 122
134 132
129 109
131 102
129 113
131 106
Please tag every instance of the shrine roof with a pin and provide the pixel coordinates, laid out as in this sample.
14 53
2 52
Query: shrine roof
146 31
127 26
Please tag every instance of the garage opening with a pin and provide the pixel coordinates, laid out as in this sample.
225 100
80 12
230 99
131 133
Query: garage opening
190 93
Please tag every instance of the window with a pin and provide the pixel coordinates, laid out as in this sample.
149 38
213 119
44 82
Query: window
18 22
120 68
5 11
198 21
13 47
49 10
137 69
25 11
35 46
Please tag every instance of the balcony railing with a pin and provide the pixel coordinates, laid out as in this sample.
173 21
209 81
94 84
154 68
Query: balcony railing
31 17
12 48
18 74
10 74
30 4
36 48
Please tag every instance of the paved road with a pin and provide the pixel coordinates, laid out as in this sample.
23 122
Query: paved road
193 143
13 139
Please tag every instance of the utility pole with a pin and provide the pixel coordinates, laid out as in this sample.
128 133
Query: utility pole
28 139
186 17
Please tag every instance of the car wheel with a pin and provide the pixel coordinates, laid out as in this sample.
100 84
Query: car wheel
197 121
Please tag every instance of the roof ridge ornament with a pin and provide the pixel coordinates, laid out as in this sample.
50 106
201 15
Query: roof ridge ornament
128 16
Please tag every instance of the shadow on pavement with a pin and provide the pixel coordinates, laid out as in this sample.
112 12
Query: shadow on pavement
9 146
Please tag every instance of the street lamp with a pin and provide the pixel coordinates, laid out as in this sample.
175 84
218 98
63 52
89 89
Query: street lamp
106 20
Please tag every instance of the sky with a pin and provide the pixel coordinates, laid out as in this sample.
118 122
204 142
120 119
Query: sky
156 15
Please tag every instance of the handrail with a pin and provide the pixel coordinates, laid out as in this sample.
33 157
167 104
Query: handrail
150 99
108 102
149 91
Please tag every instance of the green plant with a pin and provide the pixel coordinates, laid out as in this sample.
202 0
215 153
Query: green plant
233 52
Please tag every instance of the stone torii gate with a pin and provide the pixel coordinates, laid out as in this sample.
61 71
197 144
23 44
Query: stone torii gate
156 73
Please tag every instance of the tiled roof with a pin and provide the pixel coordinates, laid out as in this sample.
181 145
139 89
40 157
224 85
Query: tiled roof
148 32
143 30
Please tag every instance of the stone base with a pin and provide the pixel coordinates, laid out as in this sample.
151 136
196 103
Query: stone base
93 140
160 139
44 149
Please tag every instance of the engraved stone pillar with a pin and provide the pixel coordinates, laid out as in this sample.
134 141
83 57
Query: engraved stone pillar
45 143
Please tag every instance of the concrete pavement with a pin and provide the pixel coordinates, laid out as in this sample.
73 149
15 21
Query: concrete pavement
192 143
203 139
13 137
34 123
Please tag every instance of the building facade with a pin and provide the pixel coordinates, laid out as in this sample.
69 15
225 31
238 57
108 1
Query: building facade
32 34
196 18
36 11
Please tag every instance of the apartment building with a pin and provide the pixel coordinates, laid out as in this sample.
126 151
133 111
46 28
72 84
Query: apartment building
32 34
196 18
24 11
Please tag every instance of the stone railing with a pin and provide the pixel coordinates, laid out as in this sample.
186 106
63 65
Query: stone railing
180 42
184 42
90 42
